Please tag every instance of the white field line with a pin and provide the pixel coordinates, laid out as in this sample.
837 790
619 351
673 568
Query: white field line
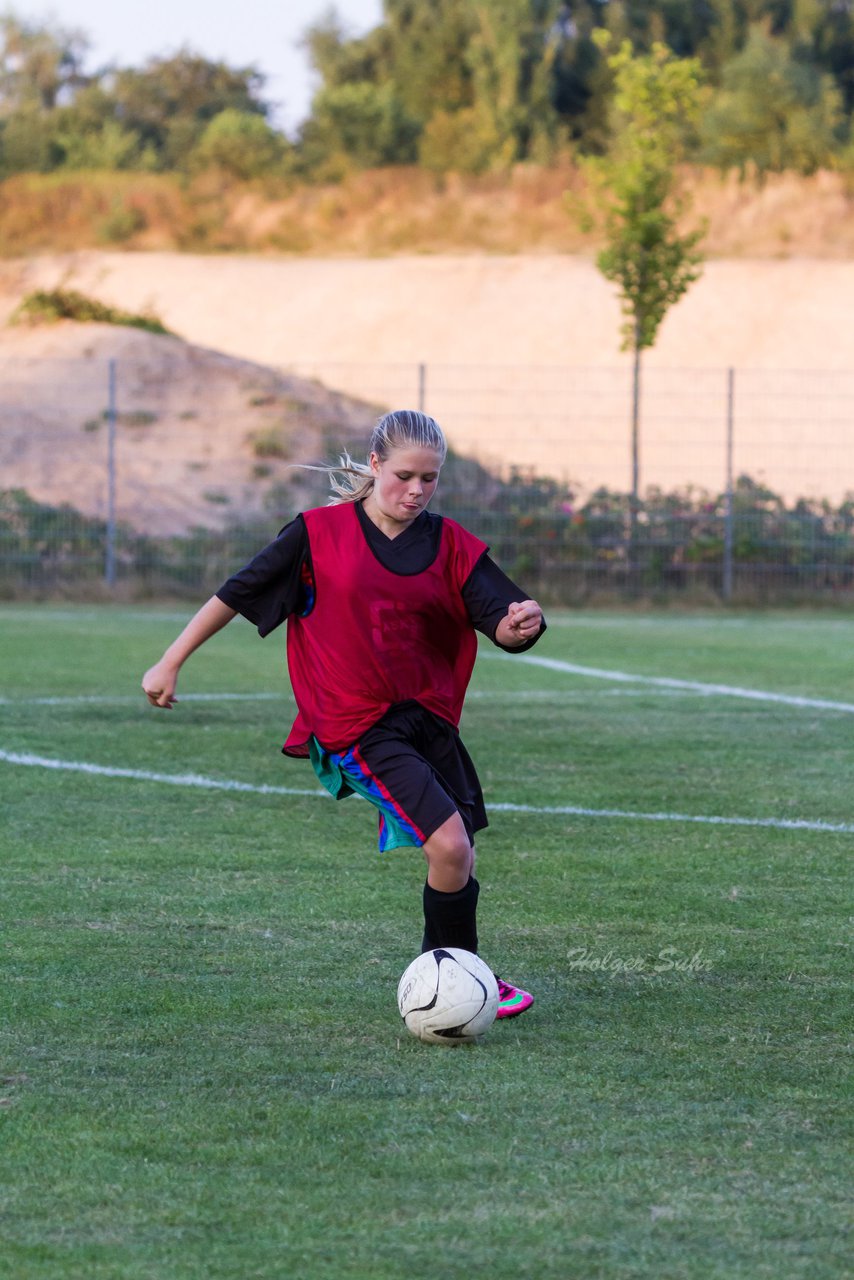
568 695
779 824
670 682
665 684
144 775
503 695
225 784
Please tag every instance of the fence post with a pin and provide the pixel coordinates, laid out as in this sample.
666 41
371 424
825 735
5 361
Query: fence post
422 386
110 549
729 511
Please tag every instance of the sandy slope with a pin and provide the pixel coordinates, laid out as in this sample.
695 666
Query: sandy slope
365 325
201 438
546 309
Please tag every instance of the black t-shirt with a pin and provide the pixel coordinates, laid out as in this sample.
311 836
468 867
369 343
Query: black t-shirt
279 581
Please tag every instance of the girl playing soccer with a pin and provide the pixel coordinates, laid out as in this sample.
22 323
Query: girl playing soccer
382 600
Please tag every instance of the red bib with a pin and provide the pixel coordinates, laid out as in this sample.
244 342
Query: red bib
375 637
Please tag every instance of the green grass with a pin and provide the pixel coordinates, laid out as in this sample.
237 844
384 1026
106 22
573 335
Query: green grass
204 1076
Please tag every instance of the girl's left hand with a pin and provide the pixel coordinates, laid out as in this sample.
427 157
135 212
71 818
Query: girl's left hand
523 621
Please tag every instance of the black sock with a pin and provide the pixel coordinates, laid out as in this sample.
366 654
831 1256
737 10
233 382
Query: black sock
450 919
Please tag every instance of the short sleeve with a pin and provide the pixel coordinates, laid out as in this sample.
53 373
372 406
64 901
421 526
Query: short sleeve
273 584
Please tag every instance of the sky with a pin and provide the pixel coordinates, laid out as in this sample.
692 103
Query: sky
263 33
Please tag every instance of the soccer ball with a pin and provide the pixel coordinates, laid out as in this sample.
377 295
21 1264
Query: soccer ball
448 996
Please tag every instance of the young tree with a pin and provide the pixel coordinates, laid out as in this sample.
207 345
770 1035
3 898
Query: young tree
656 103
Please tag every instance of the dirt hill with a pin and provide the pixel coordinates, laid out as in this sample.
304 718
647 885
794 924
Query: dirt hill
518 356
201 437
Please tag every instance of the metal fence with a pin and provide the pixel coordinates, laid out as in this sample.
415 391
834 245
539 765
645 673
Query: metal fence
155 477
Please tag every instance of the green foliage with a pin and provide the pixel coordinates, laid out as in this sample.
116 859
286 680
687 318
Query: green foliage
822 35
652 265
656 102
46 306
563 547
364 123
582 82
471 85
487 83
464 141
240 144
39 63
360 115
338 60
88 134
541 531
722 38
110 147
272 442
171 101
122 223
511 74
427 54
151 117
772 113
27 144
41 544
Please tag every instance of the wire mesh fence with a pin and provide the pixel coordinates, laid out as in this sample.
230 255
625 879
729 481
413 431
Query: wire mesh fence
160 476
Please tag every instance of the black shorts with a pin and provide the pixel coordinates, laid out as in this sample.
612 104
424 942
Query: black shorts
413 767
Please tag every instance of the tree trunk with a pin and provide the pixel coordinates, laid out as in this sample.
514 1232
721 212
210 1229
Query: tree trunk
634 574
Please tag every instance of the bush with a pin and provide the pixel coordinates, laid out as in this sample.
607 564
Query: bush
122 223
363 122
562 549
772 113
240 144
459 141
46 306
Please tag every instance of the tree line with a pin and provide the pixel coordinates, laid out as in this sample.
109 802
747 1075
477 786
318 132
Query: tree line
471 86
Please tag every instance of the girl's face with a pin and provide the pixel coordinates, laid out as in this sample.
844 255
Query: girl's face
405 482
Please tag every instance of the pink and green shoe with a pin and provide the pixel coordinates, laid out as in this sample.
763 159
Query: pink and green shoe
512 1000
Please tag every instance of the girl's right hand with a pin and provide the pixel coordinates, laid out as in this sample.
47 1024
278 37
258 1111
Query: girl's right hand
159 684
160 680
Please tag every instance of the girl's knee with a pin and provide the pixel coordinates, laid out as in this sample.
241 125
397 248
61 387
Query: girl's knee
457 856
449 854
455 860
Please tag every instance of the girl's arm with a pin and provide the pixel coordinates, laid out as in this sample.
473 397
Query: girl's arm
159 681
523 621
499 609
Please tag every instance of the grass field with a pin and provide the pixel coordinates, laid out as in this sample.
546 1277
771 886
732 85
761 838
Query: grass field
204 1076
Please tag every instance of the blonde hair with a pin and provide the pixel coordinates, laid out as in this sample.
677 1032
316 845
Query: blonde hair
402 429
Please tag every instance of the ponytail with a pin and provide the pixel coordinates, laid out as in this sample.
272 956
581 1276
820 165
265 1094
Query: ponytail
403 429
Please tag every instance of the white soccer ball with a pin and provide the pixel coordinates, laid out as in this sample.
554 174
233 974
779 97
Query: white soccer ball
448 996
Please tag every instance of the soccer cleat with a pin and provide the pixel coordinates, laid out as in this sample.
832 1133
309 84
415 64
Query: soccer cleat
512 1000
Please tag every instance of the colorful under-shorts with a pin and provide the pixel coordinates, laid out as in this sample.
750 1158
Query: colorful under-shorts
412 766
